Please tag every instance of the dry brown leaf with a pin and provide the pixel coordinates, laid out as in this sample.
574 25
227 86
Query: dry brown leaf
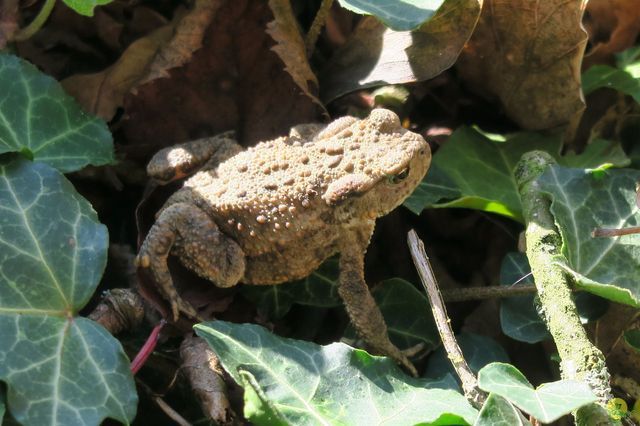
188 36
375 55
234 81
613 26
528 55
290 47
202 369
102 93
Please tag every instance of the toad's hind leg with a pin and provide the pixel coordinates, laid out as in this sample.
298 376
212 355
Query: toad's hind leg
186 231
178 161
360 305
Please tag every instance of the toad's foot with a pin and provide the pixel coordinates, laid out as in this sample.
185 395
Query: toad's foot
186 231
178 161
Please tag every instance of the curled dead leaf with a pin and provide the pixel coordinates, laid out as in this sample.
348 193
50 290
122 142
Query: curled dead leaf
102 93
375 55
613 26
528 55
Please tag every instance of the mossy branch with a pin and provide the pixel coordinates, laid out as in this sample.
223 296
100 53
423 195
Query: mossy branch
580 359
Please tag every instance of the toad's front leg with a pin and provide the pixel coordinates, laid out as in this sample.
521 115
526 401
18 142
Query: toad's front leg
360 305
186 231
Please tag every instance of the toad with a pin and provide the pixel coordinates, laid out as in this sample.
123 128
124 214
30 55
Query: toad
274 212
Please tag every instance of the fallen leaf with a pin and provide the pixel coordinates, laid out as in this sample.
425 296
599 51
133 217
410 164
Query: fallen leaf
221 87
613 26
528 55
102 93
290 47
375 55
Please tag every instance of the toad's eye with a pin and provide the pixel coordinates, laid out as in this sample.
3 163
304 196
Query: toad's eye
399 177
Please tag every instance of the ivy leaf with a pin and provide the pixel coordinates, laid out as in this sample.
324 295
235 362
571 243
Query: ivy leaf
480 170
497 411
599 76
319 289
305 383
475 170
2 404
518 316
85 7
38 119
478 351
398 15
632 338
547 403
59 368
407 313
583 201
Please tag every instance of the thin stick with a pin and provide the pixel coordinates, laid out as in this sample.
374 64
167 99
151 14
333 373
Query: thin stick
166 408
316 26
609 232
469 382
466 294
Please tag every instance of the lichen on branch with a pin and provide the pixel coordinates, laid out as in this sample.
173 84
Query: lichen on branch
580 359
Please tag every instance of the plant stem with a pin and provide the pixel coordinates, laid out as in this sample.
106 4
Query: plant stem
316 26
28 31
466 294
580 359
469 381
609 232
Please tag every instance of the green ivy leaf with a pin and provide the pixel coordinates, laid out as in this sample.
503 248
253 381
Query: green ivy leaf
407 313
599 76
38 119
497 411
582 202
85 7
398 15
2 404
319 289
474 170
305 383
478 351
480 170
59 368
547 403
632 337
518 316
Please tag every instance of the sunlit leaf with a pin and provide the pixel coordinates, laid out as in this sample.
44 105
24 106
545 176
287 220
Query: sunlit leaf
547 403
59 368
305 383
38 119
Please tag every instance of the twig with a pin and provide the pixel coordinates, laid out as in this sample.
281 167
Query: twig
316 26
466 294
609 232
42 16
166 408
580 359
469 382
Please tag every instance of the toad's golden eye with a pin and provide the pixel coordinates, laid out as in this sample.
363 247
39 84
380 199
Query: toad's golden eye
399 177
